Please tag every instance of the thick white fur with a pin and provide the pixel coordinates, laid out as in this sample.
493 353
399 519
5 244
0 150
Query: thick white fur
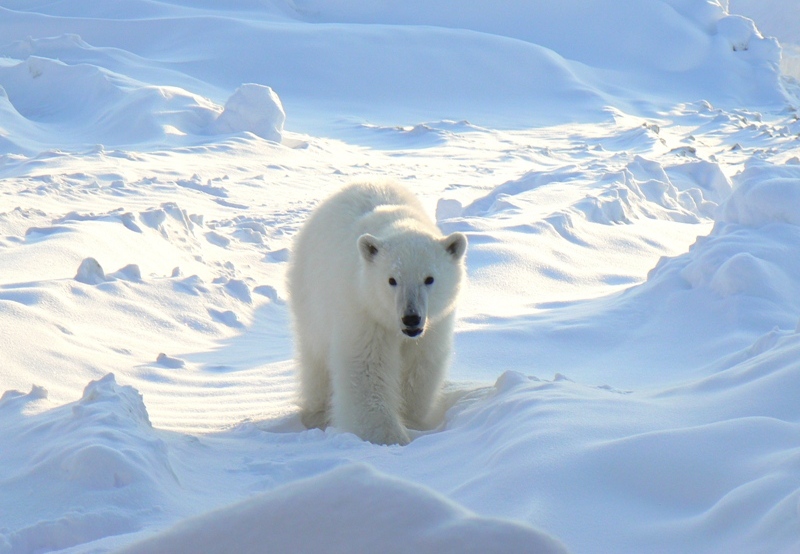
358 370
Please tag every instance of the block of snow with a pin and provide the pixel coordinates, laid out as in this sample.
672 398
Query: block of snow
169 361
130 272
90 272
253 108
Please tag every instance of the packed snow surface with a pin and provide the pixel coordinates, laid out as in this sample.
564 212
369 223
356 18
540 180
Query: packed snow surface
626 371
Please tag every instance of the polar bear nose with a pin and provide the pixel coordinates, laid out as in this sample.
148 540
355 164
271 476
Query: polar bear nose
411 320
413 325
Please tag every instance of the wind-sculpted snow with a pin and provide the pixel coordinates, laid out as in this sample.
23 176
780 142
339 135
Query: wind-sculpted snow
85 454
767 194
731 287
350 509
512 66
645 45
94 105
775 19
627 351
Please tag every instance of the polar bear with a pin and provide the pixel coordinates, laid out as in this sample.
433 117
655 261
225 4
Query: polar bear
373 287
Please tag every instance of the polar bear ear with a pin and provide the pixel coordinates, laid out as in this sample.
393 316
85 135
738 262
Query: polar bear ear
455 244
368 246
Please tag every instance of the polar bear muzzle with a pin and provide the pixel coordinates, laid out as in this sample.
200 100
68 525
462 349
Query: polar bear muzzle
414 326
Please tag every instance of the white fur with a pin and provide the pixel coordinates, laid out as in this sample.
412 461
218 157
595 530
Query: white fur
358 369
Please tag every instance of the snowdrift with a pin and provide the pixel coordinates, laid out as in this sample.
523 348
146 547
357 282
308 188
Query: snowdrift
352 509
94 105
82 454
733 286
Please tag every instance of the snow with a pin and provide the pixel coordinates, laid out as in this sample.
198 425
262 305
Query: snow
355 509
776 19
627 353
253 108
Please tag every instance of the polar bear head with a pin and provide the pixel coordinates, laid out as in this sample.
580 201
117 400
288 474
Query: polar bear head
411 279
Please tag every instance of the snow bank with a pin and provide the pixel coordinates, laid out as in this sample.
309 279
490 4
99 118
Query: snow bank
659 48
731 288
765 195
511 64
779 19
99 459
95 105
707 467
351 509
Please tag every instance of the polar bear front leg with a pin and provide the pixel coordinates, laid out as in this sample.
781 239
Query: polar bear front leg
365 370
314 388
424 366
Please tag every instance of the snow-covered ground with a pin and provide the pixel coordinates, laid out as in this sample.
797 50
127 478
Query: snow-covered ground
779 19
626 375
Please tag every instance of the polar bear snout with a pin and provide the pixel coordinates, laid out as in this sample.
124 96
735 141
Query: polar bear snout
414 325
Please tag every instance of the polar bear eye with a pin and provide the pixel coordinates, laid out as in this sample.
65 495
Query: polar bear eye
392 281
429 281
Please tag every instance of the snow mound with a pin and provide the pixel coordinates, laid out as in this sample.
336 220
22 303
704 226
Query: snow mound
766 194
744 259
779 19
100 447
693 459
349 509
253 108
95 105
90 272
